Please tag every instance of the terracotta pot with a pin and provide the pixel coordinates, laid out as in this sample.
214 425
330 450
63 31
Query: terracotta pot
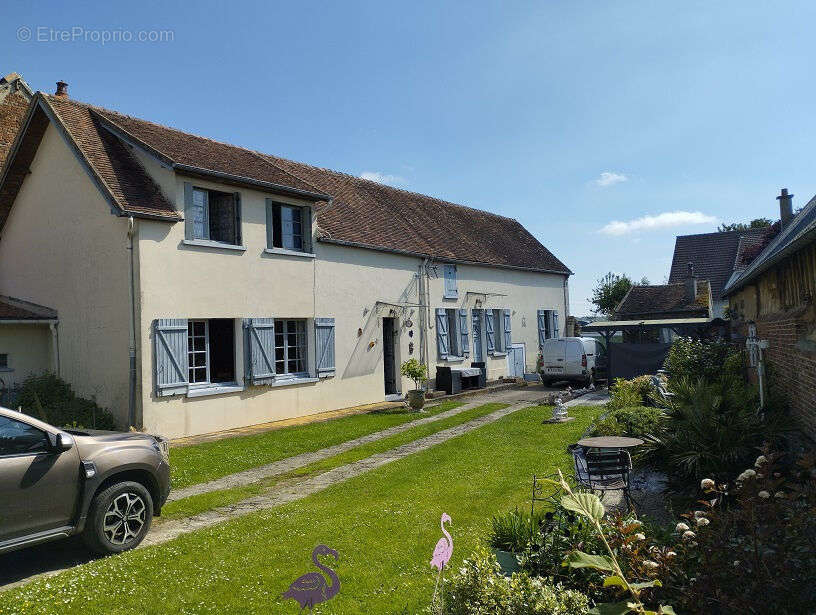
416 399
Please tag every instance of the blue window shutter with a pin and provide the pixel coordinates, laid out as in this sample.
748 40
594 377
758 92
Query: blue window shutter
463 331
541 317
170 366
189 214
238 241
442 343
508 335
451 291
556 330
324 347
270 223
260 350
490 331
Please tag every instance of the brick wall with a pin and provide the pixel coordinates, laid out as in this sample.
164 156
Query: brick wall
793 363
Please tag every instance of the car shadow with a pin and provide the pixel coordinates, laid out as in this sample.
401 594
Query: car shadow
48 557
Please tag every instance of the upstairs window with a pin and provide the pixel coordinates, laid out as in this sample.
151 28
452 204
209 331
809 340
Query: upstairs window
449 274
212 215
288 227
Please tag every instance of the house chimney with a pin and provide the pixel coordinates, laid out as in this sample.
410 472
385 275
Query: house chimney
691 284
62 89
785 207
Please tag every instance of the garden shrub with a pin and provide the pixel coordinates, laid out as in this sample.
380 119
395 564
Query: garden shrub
51 399
633 421
752 547
628 393
481 589
712 429
511 531
709 360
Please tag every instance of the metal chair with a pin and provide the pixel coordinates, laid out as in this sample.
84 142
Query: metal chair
662 392
603 470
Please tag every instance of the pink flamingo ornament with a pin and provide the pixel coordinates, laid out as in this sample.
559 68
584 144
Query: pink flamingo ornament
442 553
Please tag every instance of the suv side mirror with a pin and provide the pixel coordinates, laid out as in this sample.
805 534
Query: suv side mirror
64 442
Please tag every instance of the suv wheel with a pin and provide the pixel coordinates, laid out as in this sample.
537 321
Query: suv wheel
119 518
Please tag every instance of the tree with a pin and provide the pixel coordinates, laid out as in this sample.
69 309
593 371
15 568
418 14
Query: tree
609 292
742 226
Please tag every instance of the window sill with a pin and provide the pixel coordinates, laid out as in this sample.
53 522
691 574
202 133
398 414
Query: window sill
285 382
218 389
285 252
455 359
450 297
206 243
498 353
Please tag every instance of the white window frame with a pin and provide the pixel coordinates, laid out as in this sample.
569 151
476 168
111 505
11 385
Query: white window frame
454 335
191 352
307 248
205 237
282 327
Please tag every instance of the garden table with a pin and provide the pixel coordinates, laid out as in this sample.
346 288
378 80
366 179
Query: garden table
610 442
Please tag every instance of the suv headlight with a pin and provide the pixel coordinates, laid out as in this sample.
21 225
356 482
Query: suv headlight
162 446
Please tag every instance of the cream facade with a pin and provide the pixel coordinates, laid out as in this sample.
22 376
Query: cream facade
348 315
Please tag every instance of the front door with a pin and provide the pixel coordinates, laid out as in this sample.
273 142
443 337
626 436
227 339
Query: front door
478 353
38 486
389 356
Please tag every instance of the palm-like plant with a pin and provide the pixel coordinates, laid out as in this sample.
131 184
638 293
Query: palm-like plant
712 428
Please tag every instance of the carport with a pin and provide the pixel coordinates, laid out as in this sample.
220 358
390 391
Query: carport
630 359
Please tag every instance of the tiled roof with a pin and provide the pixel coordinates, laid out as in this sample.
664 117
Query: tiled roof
712 254
662 299
374 215
361 213
131 186
17 309
799 232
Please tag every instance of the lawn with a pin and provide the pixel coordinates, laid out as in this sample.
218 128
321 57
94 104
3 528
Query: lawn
213 499
384 524
207 461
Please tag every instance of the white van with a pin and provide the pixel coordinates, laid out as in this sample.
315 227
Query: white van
569 358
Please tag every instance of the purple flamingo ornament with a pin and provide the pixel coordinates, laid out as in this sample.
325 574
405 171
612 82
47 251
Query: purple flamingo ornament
311 588
442 552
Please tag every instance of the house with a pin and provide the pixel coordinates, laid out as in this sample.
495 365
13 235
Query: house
775 290
198 286
715 257
648 318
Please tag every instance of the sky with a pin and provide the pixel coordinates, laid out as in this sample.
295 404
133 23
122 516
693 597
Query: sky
606 128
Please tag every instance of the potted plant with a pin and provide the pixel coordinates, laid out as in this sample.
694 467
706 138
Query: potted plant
508 538
418 372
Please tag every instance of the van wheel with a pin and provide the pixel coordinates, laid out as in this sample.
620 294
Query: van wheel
119 518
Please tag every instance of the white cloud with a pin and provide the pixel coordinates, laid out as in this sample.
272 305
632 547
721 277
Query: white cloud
665 220
609 178
384 178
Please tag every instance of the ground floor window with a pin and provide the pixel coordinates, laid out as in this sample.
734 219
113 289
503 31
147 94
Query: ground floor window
211 350
498 324
290 347
454 334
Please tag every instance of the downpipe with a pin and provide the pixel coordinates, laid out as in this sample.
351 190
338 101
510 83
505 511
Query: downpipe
132 329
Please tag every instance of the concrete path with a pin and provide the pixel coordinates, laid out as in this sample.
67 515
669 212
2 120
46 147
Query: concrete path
21 567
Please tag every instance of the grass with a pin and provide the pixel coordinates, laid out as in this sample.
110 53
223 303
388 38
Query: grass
383 523
199 463
207 501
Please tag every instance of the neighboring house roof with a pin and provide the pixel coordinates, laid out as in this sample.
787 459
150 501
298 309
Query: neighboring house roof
713 255
799 232
358 212
14 98
663 299
17 309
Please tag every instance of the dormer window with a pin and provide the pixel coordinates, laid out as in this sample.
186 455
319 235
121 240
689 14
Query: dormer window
288 227
212 215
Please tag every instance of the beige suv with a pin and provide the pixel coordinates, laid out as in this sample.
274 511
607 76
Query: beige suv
56 483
